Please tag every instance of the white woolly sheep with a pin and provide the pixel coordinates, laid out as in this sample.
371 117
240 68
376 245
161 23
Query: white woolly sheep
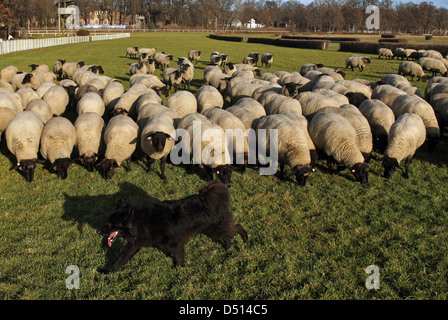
380 117
91 102
148 51
127 102
249 60
252 105
6 116
355 61
172 78
120 138
267 59
8 72
278 103
255 56
432 54
56 144
22 136
298 118
158 139
434 66
408 68
315 100
43 88
194 55
214 155
386 93
57 68
385 52
208 97
217 79
7 102
246 116
146 66
333 135
292 145
187 69
162 60
309 67
57 98
41 108
218 58
6 85
361 126
132 52
410 103
39 67
111 94
151 109
235 132
69 68
406 135
183 102
89 128
35 79
149 96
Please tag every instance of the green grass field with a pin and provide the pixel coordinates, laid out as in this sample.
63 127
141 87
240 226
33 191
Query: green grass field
311 242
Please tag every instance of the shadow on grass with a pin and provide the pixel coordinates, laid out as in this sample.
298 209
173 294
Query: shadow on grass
94 210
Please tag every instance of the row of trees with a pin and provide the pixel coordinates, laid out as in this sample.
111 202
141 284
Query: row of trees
319 15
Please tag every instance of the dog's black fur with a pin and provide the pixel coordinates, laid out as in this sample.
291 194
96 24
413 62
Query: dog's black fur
169 225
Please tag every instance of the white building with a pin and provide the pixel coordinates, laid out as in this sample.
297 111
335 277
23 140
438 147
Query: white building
252 24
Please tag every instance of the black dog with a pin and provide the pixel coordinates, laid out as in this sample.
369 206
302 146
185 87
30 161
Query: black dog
169 225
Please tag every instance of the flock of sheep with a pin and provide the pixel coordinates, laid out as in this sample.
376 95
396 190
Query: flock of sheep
316 113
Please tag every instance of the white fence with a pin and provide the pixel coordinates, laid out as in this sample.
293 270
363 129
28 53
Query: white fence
20 45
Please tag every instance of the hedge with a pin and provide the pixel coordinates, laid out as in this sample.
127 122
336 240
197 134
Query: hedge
372 48
333 39
393 40
305 44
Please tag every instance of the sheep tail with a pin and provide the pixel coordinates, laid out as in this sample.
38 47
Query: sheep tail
213 194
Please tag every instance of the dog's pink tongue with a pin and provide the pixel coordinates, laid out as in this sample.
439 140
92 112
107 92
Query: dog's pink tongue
111 238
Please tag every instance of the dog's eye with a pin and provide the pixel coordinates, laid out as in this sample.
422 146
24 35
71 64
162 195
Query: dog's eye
217 172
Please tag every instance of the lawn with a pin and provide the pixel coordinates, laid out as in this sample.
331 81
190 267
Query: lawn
311 242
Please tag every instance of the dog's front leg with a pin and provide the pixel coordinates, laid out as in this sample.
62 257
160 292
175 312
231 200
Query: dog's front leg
129 250
179 255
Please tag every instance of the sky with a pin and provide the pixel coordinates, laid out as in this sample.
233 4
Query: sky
437 3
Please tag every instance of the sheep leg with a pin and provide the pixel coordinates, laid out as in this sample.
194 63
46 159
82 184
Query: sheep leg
149 162
407 162
282 171
128 164
162 167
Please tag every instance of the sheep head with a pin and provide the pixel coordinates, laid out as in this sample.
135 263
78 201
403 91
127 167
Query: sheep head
60 166
360 172
389 164
158 140
301 173
26 168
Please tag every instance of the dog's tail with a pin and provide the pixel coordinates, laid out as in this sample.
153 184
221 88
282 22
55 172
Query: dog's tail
213 194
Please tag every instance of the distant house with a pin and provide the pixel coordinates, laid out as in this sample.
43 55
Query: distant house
236 23
252 24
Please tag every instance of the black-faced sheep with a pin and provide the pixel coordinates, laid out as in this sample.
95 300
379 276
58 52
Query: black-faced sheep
380 117
22 136
410 103
267 59
355 61
292 145
89 136
157 140
120 138
406 135
335 137
132 52
408 68
56 144
208 97
194 55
